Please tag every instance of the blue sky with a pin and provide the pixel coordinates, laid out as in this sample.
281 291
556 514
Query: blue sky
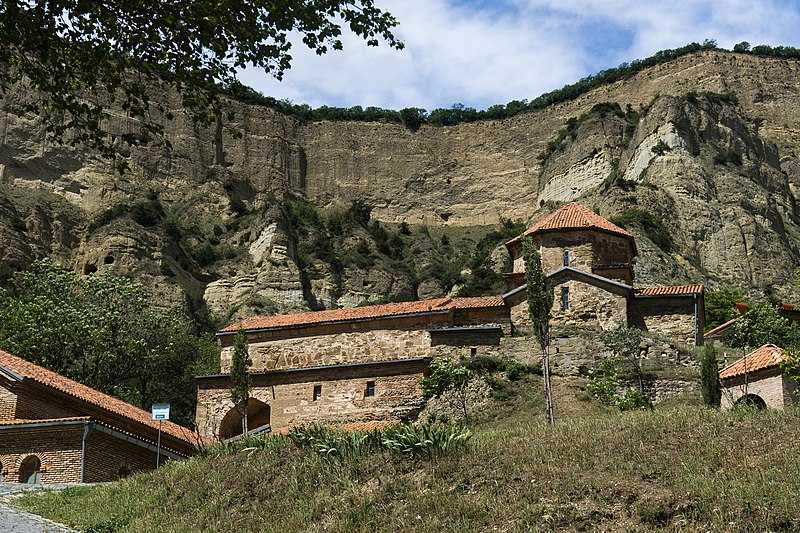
485 52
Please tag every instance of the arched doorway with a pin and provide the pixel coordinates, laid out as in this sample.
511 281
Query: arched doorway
753 401
258 414
30 470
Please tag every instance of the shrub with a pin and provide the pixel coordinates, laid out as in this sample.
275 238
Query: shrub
632 399
728 156
660 148
649 223
602 383
720 305
425 440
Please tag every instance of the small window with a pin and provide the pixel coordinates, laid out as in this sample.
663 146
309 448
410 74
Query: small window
473 351
370 391
566 258
564 298
317 392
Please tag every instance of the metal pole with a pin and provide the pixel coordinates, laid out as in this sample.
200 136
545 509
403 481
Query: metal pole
158 448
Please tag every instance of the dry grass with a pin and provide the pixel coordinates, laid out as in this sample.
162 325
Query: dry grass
681 468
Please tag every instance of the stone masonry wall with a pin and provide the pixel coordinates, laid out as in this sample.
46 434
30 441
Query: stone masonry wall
671 317
589 307
588 250
343 400
767 384
58 450
379 345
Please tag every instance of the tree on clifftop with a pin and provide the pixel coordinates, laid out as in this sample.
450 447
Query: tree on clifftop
79 57
540 302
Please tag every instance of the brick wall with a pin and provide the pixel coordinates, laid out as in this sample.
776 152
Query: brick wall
58 449
290 397
8 401
767 384
109 458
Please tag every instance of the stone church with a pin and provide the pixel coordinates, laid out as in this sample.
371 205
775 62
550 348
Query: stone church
364 365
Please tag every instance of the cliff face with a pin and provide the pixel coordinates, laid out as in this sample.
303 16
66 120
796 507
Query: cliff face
207 221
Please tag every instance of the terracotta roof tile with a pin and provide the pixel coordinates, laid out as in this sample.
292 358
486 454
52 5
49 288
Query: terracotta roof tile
89 395
572 216
767 356
673 290
361 313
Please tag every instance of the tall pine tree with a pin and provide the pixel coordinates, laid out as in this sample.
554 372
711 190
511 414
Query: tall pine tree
709 376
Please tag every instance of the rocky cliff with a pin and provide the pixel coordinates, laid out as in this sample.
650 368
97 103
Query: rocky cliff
251 214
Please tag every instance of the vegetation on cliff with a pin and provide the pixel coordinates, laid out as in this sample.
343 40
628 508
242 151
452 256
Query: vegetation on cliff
414 117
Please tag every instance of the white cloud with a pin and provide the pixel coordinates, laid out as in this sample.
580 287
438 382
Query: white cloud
493 53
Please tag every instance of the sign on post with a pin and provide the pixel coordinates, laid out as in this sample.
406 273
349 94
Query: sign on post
160 411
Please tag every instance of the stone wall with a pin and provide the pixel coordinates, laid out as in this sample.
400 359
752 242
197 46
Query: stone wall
589 307
658 390
768 384
379 345
673 317
588 251
58 449
342 400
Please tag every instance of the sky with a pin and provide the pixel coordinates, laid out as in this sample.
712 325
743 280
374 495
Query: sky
485 52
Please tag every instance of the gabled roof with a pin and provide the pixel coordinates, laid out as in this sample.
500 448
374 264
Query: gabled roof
572 217
362 313
719 331
50 379
671 290
767 356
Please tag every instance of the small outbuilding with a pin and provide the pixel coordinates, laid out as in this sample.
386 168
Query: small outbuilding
757 380
56 430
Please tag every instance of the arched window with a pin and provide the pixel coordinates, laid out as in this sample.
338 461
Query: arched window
1 472
752 401
258 414
564 298
566 258
30 470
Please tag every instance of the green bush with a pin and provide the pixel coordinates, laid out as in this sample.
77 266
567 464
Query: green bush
649 223
632 399
720 305
603 382
728 156
660 148
424 440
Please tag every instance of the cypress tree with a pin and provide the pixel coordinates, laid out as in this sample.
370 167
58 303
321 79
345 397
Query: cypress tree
709 376
540 302
240 376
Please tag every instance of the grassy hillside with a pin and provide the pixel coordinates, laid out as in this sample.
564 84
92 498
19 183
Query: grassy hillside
680 467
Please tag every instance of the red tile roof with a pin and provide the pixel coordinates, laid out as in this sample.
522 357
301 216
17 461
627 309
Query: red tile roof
89 395
767 356
360 313
573 216
673 290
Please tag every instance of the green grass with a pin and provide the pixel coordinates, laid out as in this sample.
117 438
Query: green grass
679 467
